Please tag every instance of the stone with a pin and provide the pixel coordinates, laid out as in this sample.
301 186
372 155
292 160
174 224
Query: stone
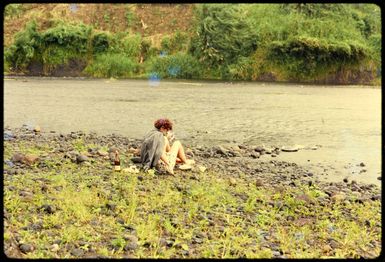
338 197
77 252
131 238
26 248
258 182
26 194
113 150
326 248
30 159
304 198
54 248
289 149
202 168
346 180
81 158
37 129
232 181
9 163
255 155
376 197
18 158
259 149
102 153
8 135
131 246
362 164
131 169
49 209
220 150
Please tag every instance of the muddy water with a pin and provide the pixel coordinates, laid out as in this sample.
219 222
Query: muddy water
344 121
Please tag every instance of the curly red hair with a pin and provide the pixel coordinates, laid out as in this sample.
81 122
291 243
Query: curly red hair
163 122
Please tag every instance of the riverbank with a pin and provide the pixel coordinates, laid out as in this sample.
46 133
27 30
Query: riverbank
375 85
63 199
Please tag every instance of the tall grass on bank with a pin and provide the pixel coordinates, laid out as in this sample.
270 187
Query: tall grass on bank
180 65
112 65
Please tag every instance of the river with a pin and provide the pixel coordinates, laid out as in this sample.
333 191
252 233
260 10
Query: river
345 122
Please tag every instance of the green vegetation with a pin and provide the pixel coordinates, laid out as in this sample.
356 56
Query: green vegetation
287 42
104 213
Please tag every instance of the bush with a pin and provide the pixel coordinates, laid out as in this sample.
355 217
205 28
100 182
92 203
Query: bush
180 65
27 43
175 43
73 37
223 34
12 10
112 65
132 45
100 42
306 57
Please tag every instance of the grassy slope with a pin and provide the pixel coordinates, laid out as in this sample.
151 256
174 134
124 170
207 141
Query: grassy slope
153 21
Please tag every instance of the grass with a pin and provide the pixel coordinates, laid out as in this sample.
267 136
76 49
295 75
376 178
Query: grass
200 215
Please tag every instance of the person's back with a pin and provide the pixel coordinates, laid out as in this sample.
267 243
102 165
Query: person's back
152 149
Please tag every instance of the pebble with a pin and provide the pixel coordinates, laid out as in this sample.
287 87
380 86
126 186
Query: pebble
18 157
81 158
54 247
77 252
289 149
258 182
131 246
30 159
49 209
202 168
102 153
37 129
232 181
26 248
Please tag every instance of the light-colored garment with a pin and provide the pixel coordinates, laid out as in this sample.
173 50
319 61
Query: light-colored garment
152 148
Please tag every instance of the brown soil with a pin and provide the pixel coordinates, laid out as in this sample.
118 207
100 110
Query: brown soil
147 19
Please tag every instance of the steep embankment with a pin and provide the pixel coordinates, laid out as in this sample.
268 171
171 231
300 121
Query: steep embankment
328 44
152 21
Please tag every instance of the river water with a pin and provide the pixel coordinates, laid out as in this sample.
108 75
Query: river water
345 122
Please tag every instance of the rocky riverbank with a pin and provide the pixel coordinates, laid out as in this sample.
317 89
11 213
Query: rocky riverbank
62 187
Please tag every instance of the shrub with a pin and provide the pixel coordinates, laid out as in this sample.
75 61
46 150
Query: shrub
12 10
100 42
24 48
223 34
175 43
132 45
74 37
180 65
112 65
306 57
